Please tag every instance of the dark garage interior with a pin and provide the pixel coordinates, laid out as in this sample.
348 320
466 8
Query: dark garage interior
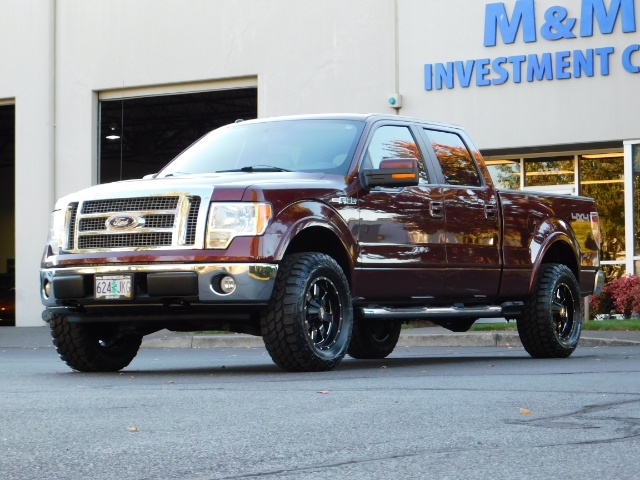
138 136
7 215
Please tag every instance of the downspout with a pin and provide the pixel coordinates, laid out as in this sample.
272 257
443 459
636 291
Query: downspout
397 49
54 93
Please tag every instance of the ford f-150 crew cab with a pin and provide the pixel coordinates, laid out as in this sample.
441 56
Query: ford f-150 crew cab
322 234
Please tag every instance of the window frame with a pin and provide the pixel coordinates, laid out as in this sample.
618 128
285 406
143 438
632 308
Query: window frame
428 174
436 161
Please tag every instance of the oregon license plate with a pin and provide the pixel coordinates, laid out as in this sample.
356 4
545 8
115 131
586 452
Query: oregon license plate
113 287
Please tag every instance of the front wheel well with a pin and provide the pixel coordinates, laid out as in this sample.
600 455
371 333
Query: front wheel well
321 240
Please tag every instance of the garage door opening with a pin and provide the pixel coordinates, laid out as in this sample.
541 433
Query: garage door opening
7 214
138 136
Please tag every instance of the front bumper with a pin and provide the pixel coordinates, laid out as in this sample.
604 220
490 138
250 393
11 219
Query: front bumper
187 284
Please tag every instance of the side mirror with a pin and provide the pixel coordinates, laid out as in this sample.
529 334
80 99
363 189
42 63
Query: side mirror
393 172
151 175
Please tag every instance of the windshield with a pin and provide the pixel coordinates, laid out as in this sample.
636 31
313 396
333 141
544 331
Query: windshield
312 145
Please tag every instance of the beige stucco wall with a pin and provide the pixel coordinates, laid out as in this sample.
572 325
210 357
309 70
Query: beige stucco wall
26 33
308 56
305 56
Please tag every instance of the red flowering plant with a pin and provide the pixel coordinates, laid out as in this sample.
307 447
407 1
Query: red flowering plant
621 295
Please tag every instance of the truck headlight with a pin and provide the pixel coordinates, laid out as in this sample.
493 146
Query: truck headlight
229 220
56 231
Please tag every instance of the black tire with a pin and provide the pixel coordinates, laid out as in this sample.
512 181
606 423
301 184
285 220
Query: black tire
374 339
307 325
551 323
92 348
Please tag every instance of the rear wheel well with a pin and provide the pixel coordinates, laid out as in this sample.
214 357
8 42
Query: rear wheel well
321 240
562 253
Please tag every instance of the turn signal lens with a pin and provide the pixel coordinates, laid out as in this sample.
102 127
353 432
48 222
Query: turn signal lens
403 175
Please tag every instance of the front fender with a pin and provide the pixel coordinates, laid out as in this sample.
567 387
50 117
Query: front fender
300 216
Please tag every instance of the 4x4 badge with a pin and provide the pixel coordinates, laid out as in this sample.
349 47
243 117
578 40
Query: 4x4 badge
344 200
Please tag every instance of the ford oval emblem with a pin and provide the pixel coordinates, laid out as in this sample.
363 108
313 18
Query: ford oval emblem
122 222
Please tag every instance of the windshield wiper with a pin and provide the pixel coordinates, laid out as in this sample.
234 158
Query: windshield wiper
256 168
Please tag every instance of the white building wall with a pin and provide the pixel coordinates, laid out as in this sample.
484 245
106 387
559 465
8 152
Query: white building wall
306 56
26 46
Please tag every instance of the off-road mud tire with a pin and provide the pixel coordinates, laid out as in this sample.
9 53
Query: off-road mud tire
308 323
90 348
551 323
374 339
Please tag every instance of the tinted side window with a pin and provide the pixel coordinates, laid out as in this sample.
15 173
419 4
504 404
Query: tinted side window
455 160
391 141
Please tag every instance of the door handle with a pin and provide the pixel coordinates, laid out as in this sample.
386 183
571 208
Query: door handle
436 209
490 210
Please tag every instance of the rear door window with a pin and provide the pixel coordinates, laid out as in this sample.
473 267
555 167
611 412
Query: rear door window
456 162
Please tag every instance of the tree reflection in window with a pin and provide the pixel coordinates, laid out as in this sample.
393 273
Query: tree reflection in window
392 141
603 180
505 173
549 171
455 160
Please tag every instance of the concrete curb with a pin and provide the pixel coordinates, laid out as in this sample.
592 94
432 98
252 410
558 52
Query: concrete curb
39 337
477 339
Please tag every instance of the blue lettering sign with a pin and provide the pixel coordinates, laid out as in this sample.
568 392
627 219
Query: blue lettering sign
583 62
496 19
482 71
464 72
562 64
444 73
539 69
503 73
428 76
604 54
557 24
517 61
626 59
607 19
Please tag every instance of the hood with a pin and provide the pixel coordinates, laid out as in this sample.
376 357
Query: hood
233 183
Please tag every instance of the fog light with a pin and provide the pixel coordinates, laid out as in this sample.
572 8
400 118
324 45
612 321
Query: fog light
46 288
227 284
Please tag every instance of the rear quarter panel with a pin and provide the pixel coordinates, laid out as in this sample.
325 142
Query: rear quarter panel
532 225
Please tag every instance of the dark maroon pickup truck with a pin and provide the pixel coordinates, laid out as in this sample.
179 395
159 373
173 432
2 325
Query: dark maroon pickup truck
322 234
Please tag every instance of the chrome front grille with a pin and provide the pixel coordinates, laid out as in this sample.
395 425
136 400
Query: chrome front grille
125 240
72 212
137 204
148 223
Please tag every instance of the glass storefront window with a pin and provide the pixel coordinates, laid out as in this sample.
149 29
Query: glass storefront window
602 178
505 173
539 172
612 272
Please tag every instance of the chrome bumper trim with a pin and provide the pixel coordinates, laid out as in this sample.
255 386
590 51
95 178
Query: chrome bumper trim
254 281
598 282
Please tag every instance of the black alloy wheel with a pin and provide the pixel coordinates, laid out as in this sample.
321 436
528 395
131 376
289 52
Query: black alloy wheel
308 323
551 322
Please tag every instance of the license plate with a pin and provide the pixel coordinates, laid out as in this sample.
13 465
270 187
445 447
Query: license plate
113 287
